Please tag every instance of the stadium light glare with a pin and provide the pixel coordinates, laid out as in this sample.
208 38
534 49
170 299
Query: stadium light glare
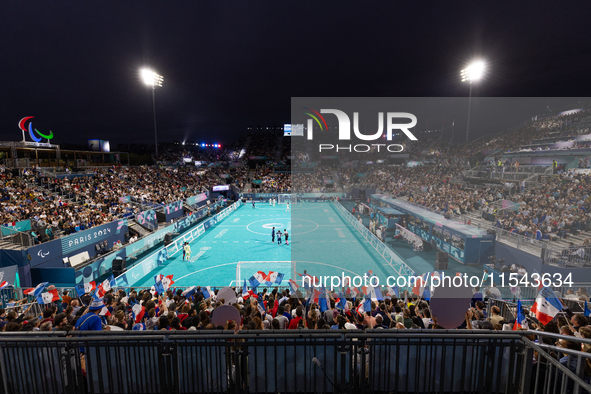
473 72
150 78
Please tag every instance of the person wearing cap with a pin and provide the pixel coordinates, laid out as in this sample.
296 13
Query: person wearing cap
91 321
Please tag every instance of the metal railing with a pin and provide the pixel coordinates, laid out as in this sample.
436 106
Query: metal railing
577 256
393 260
329 361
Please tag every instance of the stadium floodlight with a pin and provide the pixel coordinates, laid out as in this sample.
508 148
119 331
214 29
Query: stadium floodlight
150 78
472 73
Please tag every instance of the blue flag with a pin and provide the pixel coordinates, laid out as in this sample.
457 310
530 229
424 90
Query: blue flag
80 290
159 287
323 300
254 282
367 304
342 301
261 306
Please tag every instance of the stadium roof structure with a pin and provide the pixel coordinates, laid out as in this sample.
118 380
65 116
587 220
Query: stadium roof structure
429 216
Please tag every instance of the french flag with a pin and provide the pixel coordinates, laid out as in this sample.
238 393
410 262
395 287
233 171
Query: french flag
363 307
159 288
85 288
107 285
189 291
323 298
261 307
352 291
48 297
392 291
105 311
369 274
4 284
374 293
546 306
293 286
420 285
167 282
520 321
342 303
274 278
257 279
35 291
247 293
314 296
207 293
138 312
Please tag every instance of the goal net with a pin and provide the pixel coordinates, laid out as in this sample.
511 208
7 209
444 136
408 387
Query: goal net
246 269
287 198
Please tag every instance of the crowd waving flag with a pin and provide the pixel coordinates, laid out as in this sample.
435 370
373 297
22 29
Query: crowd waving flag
247 293
48 297
138 312
4 285
166 281
364 306
159 287
189 291
106 285
207 293
392 291
274 278
261 307
420 285
520 321
35 291
374 293
85 288
293 285
257 279
546 306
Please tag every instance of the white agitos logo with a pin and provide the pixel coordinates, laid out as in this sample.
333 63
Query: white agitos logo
41 254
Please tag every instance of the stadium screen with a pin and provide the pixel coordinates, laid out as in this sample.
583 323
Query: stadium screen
293 130
286 130
220 188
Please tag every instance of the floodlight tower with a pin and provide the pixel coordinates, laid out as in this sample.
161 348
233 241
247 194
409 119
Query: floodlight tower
152 79
472 73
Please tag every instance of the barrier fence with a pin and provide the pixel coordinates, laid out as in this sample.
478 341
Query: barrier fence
329 361
393 260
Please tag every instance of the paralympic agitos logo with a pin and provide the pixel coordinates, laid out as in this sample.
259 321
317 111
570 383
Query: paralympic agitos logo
22 126
344 133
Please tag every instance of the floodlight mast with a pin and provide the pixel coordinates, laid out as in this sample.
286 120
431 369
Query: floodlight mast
150 78
472 73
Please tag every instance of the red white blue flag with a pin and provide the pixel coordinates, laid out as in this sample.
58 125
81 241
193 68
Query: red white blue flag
546 306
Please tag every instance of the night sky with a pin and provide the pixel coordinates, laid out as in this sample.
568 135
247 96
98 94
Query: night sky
230 64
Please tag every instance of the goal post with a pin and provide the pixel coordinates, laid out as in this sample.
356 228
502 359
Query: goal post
287 198
246 269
